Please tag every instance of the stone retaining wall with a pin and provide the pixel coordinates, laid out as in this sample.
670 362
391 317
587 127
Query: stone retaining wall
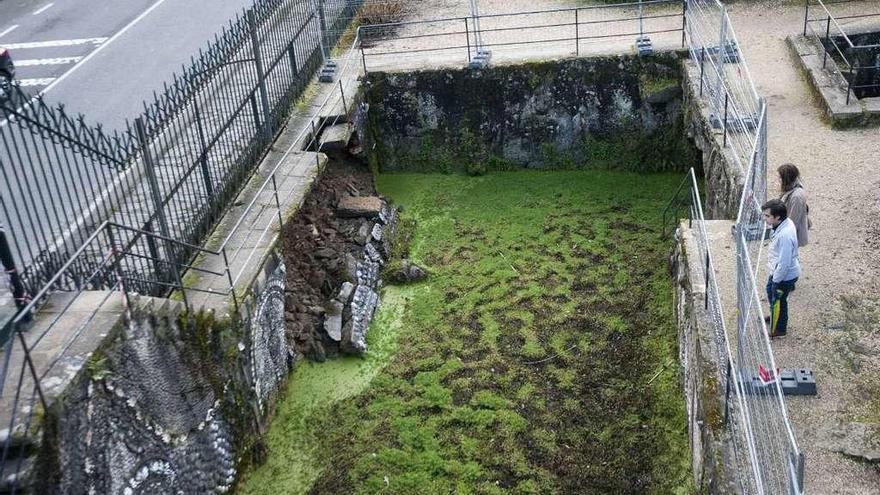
723 178
620 112
172 402
711 457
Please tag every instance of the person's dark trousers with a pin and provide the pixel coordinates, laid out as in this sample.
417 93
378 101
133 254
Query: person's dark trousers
777 295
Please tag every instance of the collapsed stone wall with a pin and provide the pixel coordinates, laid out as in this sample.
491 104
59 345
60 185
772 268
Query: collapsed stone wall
612 112
176 401
335 248
172 402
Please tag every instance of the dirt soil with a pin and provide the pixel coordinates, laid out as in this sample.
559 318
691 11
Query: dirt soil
319 252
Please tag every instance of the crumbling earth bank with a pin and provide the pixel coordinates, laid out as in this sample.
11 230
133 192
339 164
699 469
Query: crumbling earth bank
334 248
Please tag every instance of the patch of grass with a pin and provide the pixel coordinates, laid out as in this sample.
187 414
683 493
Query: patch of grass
523 363
296 433
521 366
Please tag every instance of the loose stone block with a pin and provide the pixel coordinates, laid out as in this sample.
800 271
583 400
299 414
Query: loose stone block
359 206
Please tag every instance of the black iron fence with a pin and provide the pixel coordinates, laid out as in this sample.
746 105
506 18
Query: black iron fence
176 167
853 51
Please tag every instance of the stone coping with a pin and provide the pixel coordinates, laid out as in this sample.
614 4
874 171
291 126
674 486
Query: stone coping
829 86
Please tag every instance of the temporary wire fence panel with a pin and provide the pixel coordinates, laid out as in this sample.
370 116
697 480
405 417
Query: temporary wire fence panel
725 82
767 456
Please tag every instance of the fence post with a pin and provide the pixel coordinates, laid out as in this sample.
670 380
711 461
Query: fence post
291 55
118 271
154 250
684 9
261 75
702 62
467 38
342 93
577 38
277 206
827 33
799 467
203 157
231 281
852 77
724 124
256 112
806 15
721 50
360 41
149 168
706 291
727 394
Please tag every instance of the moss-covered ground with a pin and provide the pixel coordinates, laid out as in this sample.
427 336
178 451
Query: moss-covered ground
539 357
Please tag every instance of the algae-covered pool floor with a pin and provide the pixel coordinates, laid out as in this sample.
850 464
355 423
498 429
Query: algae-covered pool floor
539 357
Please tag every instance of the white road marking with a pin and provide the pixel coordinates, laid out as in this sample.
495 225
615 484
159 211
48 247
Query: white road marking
90 55
9 30
47 61
55 43
43 8
104 45
40 81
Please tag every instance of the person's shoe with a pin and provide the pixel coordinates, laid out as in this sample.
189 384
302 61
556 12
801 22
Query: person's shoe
774 335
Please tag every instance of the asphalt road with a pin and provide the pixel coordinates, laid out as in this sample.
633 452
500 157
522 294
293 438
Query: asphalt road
99 58
104 58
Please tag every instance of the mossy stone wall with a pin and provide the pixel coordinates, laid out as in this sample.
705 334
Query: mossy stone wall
622 112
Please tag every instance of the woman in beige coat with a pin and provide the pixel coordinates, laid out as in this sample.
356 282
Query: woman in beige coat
795 200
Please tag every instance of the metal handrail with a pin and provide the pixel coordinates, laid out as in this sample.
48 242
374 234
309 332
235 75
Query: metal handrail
290 149
829 20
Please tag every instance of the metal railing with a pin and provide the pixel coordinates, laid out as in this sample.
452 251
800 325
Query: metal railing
139 259
111 268
856 62
724 79
176 167
544 34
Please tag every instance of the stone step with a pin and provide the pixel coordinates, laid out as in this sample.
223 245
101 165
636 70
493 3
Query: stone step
334 139
64 332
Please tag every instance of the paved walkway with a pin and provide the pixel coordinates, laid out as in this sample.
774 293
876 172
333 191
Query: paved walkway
835 321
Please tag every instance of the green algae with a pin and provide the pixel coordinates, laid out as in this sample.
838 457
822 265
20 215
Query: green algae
295 433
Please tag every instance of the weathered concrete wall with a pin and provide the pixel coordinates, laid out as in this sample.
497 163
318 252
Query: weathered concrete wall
172 402
711 457
617 111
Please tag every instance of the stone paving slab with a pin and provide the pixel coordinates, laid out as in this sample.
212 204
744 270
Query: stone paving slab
71 335
258 232
830 85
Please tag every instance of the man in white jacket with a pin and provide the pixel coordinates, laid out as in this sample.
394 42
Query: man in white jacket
782 263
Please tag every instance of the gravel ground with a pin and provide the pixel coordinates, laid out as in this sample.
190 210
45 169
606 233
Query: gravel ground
835 321
510 38
834 327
